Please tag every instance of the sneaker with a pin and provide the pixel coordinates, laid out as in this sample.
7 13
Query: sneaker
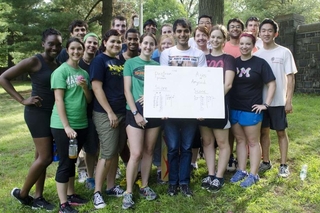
185 190
90 183
98 201
232 164
123 182
284 171
41 203
76 200
215 185
172 190
66 208
127 201
82 176
139 180
147 193
159 179
239 175
205 184
118 175
249 181
25 201
115 191
264 167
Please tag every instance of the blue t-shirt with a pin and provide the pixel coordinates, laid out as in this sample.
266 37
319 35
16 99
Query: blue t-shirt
251 75
109 71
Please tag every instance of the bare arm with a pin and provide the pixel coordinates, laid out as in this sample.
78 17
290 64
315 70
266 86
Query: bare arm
59 98
25 66
228 80
290 88
271 90
127 92
101 97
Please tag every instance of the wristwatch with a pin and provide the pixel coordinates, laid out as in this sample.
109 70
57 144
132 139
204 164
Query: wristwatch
135 113
266 105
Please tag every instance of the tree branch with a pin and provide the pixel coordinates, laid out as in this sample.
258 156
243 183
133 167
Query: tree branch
90 11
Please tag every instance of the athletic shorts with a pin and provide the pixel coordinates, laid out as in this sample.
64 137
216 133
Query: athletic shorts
91 145
38 121
197 139
245 118
275 118
112 140
152 122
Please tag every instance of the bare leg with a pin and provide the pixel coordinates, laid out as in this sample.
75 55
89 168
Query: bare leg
90 163
253 136
150 138
111 176
240 136
265 143
208 148
37 171
222 136
283 145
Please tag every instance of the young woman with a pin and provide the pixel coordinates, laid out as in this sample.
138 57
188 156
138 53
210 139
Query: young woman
201 37
91 146
142 133
38 108
247 108
106 74
165 42
69 120
217 129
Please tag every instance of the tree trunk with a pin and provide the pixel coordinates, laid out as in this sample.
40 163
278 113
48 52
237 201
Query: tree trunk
214 8
107 10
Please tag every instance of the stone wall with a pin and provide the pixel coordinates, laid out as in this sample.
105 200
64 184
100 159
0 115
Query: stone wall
304 42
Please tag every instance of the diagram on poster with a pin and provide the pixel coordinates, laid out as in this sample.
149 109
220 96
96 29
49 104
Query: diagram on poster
183 92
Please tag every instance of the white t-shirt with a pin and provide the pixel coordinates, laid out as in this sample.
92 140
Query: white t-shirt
282 64
259 43
186 58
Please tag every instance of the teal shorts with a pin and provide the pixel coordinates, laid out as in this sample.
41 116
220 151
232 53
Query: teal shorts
245 118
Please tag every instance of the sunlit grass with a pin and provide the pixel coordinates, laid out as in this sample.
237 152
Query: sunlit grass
271 194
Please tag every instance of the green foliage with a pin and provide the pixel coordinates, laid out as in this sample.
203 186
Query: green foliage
166 11
244 9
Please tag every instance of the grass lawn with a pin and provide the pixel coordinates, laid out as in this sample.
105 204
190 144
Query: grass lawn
271 194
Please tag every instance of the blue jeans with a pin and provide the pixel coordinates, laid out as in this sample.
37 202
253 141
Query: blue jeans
179 135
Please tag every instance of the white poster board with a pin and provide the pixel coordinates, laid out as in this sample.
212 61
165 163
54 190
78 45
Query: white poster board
183 92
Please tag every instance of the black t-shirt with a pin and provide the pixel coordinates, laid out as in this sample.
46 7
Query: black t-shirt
109 71
248 83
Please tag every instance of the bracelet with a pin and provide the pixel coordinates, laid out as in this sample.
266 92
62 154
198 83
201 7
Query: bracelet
266 105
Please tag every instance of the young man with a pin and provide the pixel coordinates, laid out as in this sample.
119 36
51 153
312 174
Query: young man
180 132
252 25
119 23
283 66
150 26
131 39
203 21
78 29
235 27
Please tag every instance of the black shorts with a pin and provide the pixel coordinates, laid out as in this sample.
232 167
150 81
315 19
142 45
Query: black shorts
38 121
197 139
152 122
275 118
218 123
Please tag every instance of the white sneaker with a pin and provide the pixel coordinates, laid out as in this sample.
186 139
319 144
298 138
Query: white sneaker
82 176
98 201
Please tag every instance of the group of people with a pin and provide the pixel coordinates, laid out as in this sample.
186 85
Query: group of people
95 95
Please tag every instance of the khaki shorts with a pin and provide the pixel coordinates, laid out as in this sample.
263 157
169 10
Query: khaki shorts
112 140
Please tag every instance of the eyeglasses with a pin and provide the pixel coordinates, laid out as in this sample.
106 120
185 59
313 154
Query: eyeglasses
235 27
204 23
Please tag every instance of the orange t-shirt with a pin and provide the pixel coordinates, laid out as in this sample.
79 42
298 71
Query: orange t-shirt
232 49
